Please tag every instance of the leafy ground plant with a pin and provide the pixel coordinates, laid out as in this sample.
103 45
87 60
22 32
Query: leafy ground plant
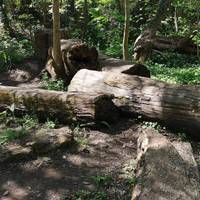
50 124
49 84
106 188
29 122
9 134
175 68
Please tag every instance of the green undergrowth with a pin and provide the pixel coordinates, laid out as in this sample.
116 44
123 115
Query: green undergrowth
175 68
9 134
13 128
13 50
106 188
57 85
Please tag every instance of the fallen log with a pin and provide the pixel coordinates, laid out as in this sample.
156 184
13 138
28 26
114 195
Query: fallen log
146 43
179 44
76 55
65 107
109 64
104 96
165 170
176 105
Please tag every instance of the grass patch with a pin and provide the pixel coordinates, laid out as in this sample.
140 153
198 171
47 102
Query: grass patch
9 134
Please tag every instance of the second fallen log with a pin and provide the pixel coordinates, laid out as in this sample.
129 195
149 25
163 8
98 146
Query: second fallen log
176 105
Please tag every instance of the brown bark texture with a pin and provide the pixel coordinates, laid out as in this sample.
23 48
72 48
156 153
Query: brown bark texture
66 107
176 105
76 55
104 96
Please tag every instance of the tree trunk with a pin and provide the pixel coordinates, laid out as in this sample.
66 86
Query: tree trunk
126 30
65 107
175 20
86 18
143 44
57 56
44 40
175 105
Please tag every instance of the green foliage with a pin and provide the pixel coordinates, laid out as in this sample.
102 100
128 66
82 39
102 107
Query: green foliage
175 68
87 195
9 134
29 122
13 51
81 141
148 124
101 180
50 124
49 84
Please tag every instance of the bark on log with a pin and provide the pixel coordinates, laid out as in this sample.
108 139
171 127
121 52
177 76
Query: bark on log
143 44
66 107
179 44
109 64
76 55
165 170
176 105
148 43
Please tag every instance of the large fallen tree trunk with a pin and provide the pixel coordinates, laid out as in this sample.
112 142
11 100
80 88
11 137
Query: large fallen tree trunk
174 104
66 107
103 96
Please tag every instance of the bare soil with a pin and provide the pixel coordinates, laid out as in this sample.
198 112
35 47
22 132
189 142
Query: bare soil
61 174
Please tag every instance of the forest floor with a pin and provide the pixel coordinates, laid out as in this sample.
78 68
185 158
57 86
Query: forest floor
98 166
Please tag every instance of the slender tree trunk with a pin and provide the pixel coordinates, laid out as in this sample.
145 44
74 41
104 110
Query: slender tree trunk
126 30
57 56
86 16
175 20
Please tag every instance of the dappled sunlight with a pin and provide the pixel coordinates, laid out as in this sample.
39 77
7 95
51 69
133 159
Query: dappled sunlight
14 191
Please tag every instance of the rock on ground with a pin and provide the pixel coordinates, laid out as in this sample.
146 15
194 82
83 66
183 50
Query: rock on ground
165 170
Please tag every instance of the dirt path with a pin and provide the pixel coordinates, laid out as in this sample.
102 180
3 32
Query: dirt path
97 158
